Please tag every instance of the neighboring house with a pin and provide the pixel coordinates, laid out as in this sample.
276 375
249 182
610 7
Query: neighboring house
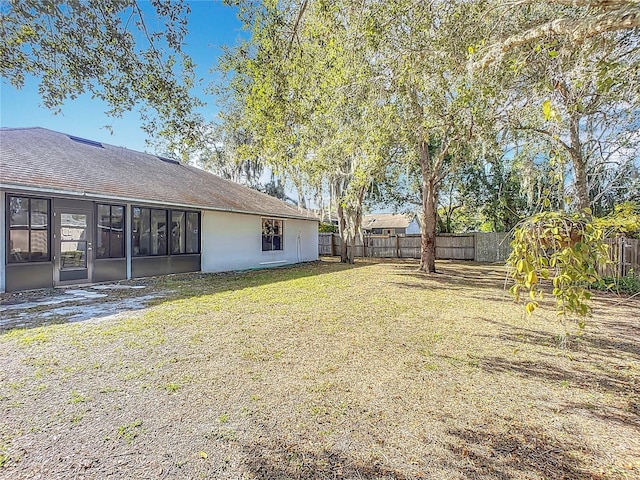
79 211
389 224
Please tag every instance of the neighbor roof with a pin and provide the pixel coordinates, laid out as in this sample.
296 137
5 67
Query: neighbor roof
55 162
386 220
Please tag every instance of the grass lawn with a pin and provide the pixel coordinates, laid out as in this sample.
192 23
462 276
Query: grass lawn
327 371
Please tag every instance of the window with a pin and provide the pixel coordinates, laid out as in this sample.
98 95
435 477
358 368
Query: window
185 232
271 234
140 231
158 232
178 232
149 231
110 231
193 232
28 230
73 240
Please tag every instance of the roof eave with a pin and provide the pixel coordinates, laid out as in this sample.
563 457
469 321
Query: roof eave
92 195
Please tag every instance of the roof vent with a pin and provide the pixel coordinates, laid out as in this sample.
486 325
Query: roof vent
93 143
169 160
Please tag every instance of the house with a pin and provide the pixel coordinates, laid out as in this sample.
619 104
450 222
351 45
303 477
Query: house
389 224
80 211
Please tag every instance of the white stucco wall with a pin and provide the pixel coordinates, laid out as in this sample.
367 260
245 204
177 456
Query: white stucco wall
232 241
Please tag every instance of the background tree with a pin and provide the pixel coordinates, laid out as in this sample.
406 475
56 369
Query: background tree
302 81
577 91
422 51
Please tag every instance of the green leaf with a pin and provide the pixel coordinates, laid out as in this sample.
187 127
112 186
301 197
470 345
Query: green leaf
546 109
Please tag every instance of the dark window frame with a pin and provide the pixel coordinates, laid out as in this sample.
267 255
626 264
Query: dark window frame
156 220
29 228
110 254
182 225
169 241
150 211
185 233
268 238
133 231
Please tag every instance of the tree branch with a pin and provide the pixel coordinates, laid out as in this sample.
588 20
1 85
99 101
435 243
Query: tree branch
625 17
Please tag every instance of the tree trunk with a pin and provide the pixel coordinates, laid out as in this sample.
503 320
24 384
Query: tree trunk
429 212
352 253
579 164
302 201
342 230
357 222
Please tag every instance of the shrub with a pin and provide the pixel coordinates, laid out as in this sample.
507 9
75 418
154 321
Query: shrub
327 228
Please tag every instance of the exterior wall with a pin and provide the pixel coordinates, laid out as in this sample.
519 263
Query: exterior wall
109 269
413 228
29 276
164 265
3 241
232 241
229 241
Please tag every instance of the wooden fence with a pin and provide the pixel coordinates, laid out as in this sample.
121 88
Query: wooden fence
624 253
456 247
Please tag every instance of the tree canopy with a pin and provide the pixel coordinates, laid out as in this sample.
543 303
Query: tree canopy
127 54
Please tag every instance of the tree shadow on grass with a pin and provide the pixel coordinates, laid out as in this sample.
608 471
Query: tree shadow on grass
628 417
586 380
294 462
453 275
610 339
519 452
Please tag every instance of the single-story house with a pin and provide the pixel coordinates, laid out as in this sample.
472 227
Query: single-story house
79 211
390 224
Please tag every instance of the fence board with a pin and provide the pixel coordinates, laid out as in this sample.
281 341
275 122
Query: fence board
459 247
624 258
325 244
409 246
455 247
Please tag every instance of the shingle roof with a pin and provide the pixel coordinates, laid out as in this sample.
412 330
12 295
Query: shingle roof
54 161
386 220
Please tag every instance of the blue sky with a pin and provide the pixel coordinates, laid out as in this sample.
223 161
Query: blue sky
211 25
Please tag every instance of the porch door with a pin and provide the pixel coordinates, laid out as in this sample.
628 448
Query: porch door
74 247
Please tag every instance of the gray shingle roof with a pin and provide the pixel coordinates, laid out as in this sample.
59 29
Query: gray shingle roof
44 159
386 220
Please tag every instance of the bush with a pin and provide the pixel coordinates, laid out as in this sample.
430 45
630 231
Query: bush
625 220
327 228
629 285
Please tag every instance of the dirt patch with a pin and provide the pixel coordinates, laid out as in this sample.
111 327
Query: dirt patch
326 371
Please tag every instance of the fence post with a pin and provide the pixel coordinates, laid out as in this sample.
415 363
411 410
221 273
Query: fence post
620 245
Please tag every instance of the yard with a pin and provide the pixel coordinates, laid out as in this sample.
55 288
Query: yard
326 371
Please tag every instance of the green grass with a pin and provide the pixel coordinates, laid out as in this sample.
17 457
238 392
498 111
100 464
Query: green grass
130 431
327 370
